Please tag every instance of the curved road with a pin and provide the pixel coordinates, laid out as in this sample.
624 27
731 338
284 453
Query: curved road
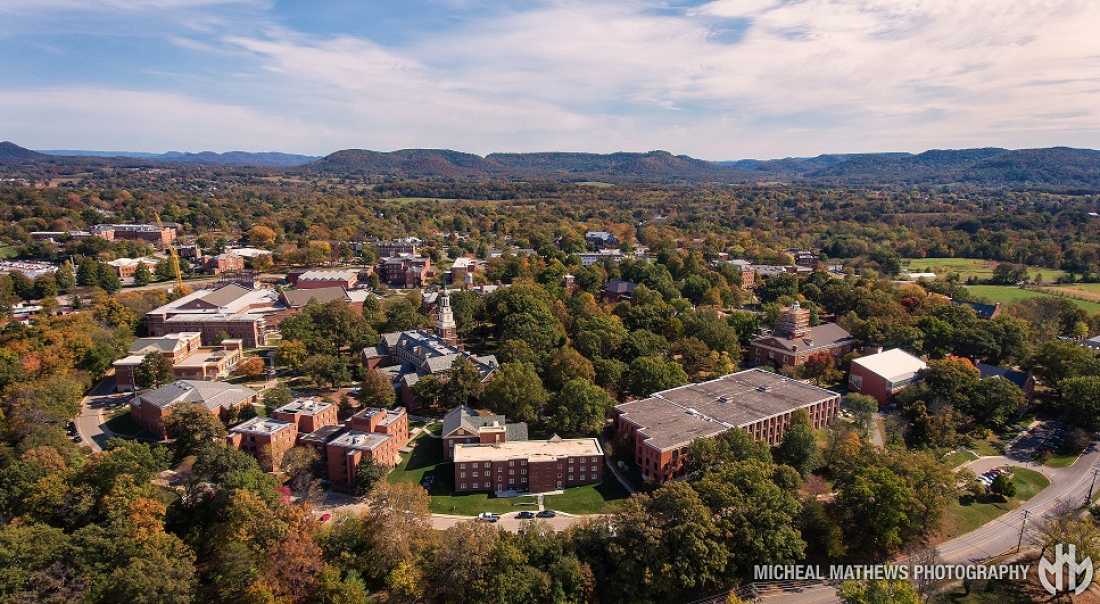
90 422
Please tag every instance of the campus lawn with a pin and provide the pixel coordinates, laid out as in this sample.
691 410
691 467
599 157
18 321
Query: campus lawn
962 518
1007 294
426 459
958 458
1061 460
971 267
589 499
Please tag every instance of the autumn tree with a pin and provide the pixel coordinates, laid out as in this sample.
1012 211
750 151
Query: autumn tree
192 427
516 391
376 389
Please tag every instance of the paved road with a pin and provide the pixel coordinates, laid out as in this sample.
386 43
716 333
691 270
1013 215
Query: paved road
1068 486
89 424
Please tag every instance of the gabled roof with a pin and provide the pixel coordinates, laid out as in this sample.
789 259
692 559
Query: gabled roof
824 336
211 395
297 298
1013 375
471 420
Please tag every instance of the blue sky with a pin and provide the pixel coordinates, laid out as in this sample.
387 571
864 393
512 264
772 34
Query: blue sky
718 79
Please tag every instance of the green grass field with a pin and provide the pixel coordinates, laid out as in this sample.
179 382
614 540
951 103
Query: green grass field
958 458
8 251
962 518
426 459
970 267
1007 294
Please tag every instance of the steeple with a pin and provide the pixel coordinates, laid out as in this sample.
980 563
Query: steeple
445 326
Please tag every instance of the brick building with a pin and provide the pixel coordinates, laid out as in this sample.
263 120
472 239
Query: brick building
126 267
150 408
160 237
406 246
659 429
405 271
226 262
189 358
266 439
345 452
308 414
374 435
230 311
536 466
464 425
317 279
884 374
390 422
794 340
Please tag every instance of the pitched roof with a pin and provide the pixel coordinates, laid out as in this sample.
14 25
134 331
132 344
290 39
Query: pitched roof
211 395
1013 375
826 335
296 298
472 421
226 295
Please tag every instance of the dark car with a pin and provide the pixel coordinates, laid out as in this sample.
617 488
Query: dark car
525 515
546 514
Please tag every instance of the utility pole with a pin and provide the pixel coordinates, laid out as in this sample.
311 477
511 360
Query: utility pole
1088 500
1020 541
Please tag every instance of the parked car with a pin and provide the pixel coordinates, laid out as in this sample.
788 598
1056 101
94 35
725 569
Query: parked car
546 514
525 515
488 517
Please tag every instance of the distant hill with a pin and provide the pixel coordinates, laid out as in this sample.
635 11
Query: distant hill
13 153
445 163
271 159
1056 168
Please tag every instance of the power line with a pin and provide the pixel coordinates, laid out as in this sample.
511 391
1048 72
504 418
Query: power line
1020 541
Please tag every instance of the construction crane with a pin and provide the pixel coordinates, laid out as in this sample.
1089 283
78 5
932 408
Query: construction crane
173 261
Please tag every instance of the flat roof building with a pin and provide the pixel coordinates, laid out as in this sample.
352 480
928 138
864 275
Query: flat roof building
884 374
308 413
266 439
661 427
536 466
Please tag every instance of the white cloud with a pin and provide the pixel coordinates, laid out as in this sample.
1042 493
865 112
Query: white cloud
120 120
804 76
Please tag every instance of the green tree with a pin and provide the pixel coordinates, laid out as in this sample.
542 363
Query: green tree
154 371
462 386
1003 485
1080 398
327 370
376 389
863 407
580 409
798 448
567 364
653 374
367 474
516 391
884 591
142 274
192 427
276 397
291 354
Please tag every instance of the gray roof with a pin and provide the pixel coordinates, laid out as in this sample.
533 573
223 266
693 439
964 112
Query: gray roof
826 335
211 395
673 418
224 296
300 297
433 354
471 420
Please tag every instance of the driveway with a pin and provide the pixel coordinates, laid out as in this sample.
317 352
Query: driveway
89 424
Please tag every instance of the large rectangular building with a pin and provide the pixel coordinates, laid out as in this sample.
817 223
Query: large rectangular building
535 466
230 311
660 428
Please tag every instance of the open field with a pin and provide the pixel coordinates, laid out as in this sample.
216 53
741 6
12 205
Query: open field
971 267
426 460
961 518
1007 294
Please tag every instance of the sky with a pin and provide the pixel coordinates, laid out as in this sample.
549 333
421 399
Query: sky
716 79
